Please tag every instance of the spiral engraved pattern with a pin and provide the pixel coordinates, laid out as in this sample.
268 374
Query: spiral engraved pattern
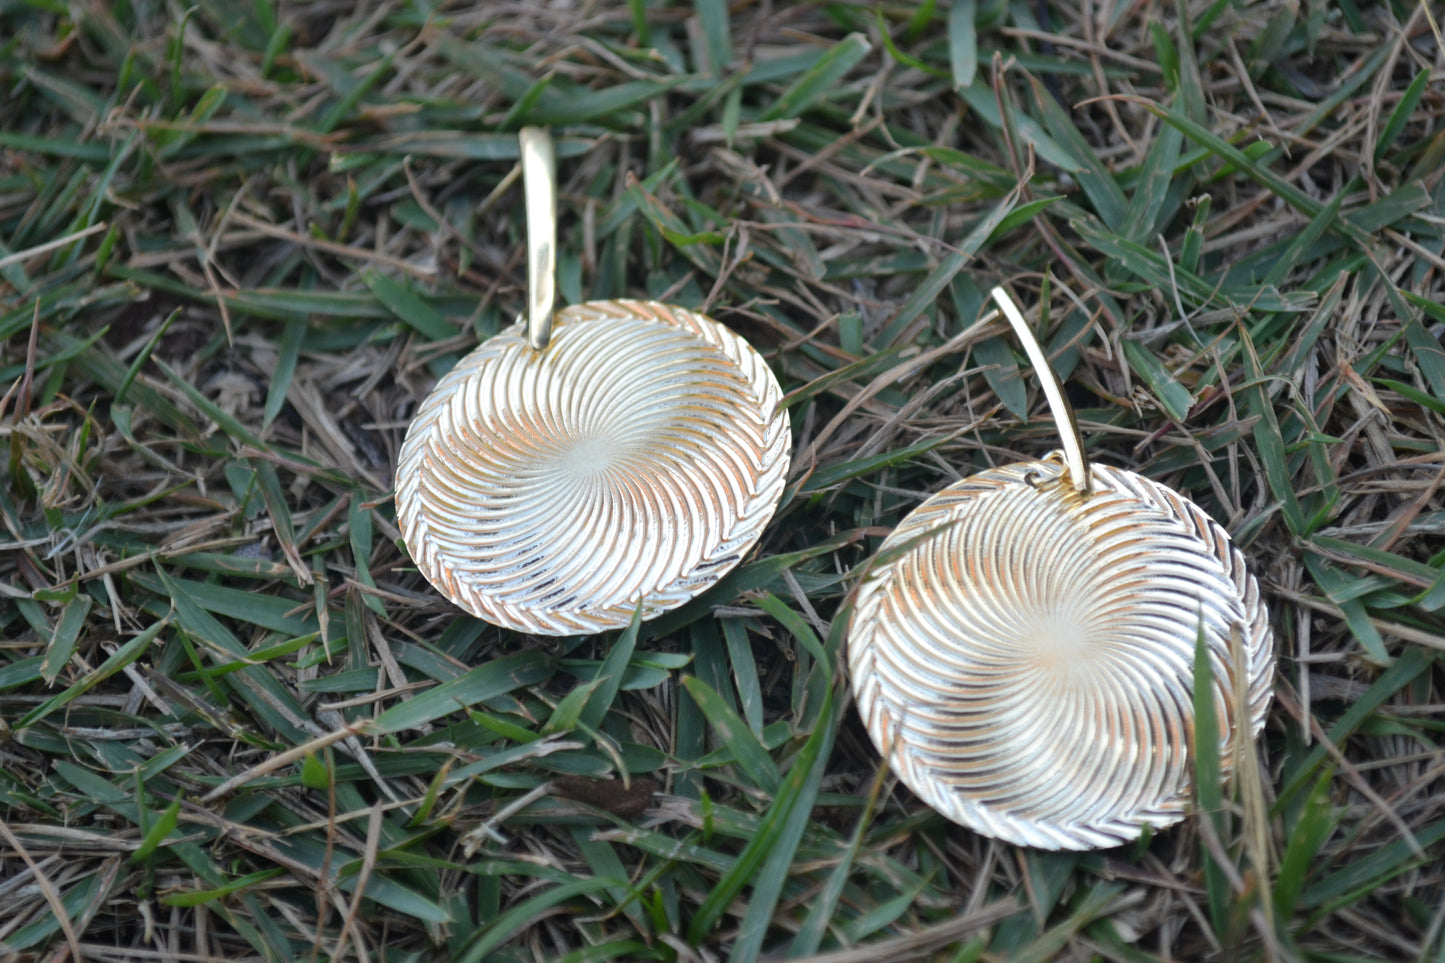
636 459
1023 653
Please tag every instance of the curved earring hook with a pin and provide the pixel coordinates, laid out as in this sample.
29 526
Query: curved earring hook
1075 460
539 184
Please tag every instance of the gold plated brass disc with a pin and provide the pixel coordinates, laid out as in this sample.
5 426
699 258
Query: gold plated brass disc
1023 653
636 459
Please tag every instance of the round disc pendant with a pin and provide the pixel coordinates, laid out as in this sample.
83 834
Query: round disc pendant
636 459
1023 654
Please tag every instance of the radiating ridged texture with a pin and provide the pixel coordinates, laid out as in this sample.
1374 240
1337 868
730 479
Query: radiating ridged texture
1023 654
637 458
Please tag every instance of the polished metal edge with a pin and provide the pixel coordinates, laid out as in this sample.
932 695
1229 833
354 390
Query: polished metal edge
636 460
1022 653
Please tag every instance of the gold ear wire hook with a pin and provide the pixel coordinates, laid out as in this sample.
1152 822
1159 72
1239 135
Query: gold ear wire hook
1075 460
539 185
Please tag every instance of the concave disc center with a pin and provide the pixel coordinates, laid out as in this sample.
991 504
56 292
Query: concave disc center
1057 639
589 455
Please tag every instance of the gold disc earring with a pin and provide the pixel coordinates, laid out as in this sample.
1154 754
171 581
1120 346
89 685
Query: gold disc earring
587 461
1023 653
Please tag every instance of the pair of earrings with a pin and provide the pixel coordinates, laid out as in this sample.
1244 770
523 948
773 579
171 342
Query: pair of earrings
1021 651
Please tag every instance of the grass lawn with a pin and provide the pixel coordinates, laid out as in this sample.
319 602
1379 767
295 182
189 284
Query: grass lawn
240 240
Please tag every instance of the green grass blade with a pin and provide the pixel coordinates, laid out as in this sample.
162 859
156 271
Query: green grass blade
745 673
1314 826
733 733
504 927
1098 183
202 896
821 79
1408 667
496 678
717 31
1208 782
765 861
118 660
62 642
1401 115
1363 875
1173 397
981 100
962 42
289 352
1226 151
159 831
1270 442
409 307
1145 216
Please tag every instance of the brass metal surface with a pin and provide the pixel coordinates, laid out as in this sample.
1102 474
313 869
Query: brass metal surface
636 459
1022 653
1075 458
539 184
